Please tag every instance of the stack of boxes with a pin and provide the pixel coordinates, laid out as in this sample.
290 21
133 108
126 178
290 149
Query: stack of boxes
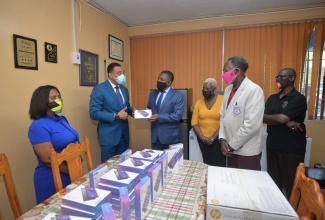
114 180
85 202
134 185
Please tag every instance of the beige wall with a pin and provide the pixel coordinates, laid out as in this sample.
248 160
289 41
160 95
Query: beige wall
47 21
51 21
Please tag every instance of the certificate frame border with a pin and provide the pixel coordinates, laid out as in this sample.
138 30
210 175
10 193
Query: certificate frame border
15 38
112 39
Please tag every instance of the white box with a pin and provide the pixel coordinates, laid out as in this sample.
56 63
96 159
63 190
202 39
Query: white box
139 116
94 175
245 194
74 199
126 154
142 198
110 178
68 210
180 148
172 160
53 215
162 160
154 173
130 165
145 155
107 212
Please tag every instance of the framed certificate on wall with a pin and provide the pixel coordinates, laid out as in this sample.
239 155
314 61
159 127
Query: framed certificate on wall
116 48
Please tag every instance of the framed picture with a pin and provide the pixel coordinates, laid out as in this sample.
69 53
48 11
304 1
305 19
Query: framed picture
51 52
25 52
88 69
116 48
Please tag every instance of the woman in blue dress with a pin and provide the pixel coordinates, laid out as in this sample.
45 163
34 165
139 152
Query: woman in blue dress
48 130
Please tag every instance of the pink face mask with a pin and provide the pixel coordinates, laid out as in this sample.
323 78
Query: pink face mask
227 77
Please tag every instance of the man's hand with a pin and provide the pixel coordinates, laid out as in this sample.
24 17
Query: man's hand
153 118
225 149
294 126
123 114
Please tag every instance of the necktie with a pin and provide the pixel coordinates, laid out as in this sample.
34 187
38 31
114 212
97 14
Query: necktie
159 100
232 93
119 97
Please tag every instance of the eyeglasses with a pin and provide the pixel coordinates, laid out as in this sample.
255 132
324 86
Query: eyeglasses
283 77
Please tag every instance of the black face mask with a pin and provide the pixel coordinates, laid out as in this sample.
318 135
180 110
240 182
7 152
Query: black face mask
207 94
161 85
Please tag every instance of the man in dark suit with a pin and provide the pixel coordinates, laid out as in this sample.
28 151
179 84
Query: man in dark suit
167 107
109 105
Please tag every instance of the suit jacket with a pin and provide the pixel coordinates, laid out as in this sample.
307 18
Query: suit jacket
241 122
167 126
102 106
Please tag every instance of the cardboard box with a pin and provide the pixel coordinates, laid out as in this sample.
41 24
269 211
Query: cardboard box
245 194
142 114
68 210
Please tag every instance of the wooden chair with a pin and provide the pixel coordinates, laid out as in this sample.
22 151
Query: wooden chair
72 156
306 198
13 199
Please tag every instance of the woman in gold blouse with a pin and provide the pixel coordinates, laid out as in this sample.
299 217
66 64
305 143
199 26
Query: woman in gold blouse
206 123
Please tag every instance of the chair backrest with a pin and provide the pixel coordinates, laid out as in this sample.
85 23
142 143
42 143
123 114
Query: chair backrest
72 156
306 198
13 199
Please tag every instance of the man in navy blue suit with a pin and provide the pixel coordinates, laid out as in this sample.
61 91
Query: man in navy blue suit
167 107
109 105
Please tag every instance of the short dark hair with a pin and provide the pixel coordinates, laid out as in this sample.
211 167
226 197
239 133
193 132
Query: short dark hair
169 74
290 71
111 67
39 102
239 62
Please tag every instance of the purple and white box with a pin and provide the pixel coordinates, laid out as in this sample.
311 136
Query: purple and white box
180 151
57 216
68 210
163 161
173 162
76 199
154 173
107 212
145 155
125 204
95 174
126 154
142 198
120 178
136 165
152 151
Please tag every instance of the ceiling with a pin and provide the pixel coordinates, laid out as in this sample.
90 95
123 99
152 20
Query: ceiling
134 13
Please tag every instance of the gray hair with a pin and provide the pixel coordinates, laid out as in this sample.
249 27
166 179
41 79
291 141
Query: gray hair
212 82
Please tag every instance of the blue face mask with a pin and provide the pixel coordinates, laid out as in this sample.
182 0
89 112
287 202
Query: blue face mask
121 79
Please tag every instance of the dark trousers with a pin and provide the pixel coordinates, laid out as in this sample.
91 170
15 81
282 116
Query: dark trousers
245 162
159 146
108 151
212 153
282 168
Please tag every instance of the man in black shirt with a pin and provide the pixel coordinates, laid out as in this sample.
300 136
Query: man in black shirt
284 115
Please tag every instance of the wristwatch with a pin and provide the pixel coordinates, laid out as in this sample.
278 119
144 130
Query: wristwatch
116 117
221 139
